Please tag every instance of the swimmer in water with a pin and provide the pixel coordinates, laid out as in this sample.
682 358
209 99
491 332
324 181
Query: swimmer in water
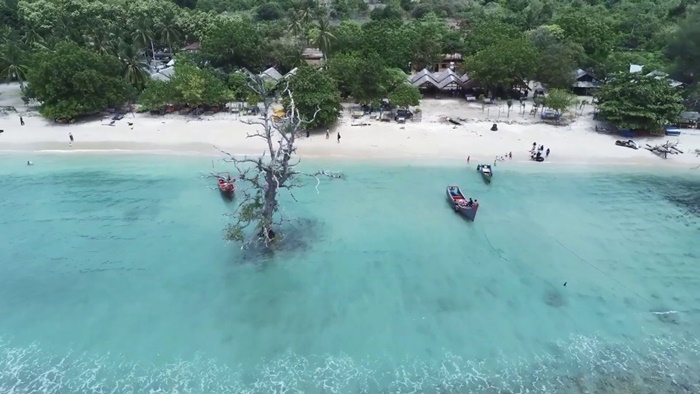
29 163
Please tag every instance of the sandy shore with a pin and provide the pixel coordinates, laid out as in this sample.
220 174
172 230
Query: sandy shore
431 138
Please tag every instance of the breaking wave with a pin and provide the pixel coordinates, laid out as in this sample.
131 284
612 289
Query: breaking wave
582 365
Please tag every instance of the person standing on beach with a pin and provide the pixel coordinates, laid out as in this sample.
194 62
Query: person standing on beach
328 133
468 157
510 155
339 137
547 153
21 121
70 136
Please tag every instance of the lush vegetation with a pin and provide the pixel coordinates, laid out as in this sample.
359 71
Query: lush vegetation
636 101
79 56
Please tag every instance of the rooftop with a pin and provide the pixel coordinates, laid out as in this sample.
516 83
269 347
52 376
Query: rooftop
312 53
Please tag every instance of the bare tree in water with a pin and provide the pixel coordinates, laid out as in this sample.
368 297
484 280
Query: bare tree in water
257 215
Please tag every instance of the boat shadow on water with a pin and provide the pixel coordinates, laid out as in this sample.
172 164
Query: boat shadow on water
227 197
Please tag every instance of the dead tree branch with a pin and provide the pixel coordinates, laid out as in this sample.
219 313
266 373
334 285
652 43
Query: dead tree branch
257 211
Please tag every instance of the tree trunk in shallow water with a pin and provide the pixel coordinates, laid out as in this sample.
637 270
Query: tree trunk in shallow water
269 203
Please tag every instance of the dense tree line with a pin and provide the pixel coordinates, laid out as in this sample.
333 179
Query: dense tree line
505 43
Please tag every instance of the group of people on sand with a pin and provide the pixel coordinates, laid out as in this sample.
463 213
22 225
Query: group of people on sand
539 150
508 155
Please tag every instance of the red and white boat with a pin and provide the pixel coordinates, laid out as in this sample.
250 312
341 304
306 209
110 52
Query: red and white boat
460 204
227 185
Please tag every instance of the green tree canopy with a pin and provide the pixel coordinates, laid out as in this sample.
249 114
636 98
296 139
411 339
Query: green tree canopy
559 100
684 49
190 85
558 57
391 40
428 47
158 94
589 27
405 95
232 43
343 70
504 63
313 90
71 81
199 86
635 101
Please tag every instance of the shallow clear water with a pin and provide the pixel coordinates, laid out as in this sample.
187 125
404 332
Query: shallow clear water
114 278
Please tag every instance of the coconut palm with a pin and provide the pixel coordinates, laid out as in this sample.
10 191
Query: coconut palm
31 38
299 20
324 37
102 40
134 65
143 35
295 24
169 34
294 56
13 62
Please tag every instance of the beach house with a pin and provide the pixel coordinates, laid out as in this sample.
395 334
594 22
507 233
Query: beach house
585 83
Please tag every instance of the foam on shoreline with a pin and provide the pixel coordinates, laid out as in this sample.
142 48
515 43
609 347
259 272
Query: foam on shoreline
583 365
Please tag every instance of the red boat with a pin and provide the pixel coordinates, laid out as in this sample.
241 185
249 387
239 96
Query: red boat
227 185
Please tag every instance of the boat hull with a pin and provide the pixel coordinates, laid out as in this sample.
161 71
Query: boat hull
464 211
227 194
485 171
226 188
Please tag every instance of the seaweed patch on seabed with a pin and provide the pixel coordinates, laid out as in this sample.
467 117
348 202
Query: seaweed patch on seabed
554 298
657 365
685 194
667 316
297 236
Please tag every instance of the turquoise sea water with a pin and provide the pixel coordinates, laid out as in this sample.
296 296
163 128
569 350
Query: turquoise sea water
114 278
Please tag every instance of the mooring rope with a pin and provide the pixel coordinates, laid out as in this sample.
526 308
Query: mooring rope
553 287
602 272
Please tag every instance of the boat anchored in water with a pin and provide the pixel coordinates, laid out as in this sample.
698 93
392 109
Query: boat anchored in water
463 206
485 171
227 185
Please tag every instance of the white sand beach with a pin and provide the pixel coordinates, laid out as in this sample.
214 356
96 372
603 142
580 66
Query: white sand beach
431 138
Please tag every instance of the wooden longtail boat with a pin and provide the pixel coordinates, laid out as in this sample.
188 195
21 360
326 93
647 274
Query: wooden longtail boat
460 204
485 171
227 185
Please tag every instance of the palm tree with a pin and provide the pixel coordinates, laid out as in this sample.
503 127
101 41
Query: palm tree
134 65
13 62
169 34
325 37
31 38
294 56
102 40
143 35
295 24
299 20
